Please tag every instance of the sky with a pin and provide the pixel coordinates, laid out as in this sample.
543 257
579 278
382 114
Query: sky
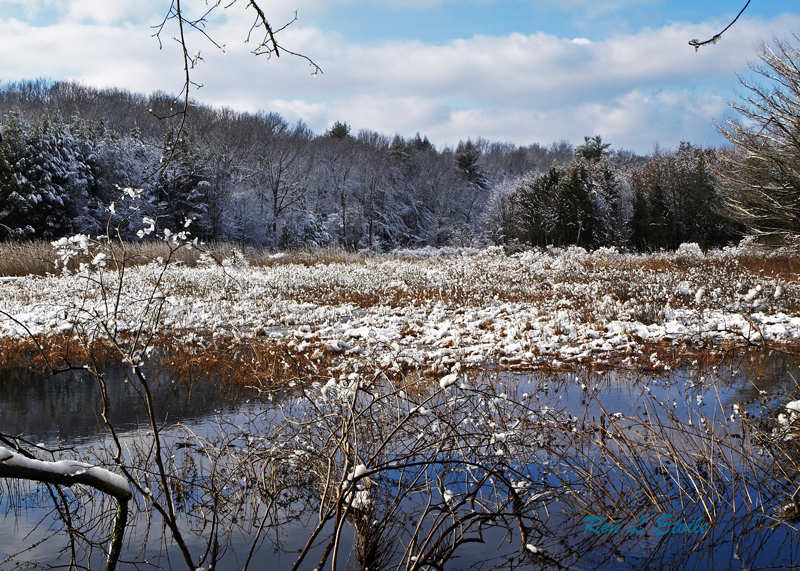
517 71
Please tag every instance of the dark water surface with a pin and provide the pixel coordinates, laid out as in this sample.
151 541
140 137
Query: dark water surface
68 406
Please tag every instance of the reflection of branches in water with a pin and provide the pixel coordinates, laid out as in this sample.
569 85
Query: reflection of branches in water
416 473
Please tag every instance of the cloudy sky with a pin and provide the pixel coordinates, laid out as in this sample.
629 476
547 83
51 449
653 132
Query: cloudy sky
521 71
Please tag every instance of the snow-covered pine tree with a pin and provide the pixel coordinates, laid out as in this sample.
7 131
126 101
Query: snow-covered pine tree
183 186
40 199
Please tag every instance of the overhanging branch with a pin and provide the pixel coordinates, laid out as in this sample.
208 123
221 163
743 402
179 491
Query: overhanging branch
697 43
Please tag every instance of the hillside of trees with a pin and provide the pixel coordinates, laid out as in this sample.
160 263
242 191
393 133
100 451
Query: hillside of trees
68 150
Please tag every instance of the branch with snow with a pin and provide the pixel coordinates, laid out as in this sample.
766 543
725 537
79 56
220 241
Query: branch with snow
63 473
68 473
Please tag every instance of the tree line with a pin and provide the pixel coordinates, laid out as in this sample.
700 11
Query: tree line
68 151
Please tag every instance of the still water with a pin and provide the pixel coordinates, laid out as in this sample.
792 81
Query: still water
579 519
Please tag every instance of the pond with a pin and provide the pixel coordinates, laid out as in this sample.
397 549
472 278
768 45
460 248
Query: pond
494 470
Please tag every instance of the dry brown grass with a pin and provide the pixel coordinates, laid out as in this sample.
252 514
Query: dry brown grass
56 352
783 266
309 256
258 362
25 258
38 257
270 364
261 363
15 352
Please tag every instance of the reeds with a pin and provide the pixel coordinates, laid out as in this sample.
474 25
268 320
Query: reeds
37 257
364 436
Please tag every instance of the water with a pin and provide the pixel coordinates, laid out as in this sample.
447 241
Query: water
68 406
584 445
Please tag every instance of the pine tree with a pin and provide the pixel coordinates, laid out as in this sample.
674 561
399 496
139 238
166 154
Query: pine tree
467 161
8 189
183 187
639 224
535 206
38 204
576 214
592 150
339 131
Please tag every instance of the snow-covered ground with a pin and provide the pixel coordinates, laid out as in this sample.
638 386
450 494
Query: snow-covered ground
432 308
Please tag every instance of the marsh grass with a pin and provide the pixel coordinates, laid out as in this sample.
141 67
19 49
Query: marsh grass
26 258
628 285
308 256
38 257
262 363
53 352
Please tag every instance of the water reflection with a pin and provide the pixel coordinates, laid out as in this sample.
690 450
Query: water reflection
500 473
67 406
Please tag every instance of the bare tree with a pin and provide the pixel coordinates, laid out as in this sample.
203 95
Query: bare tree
266 43
760 178
282 167
374 179
338 157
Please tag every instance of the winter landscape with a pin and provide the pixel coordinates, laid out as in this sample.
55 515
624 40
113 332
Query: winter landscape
397 408
229 341
428 309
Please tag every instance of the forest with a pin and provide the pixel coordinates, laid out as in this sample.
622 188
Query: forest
68 151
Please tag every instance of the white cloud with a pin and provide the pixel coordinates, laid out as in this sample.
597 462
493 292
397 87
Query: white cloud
107 12
92 11
601 6
633 89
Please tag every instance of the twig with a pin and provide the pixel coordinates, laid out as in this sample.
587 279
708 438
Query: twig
697 43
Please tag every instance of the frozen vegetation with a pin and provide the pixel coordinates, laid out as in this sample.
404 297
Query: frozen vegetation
428 309
375 428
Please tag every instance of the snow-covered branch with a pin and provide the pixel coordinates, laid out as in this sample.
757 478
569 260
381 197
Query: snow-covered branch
63 473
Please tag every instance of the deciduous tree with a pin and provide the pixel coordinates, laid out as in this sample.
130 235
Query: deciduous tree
760 180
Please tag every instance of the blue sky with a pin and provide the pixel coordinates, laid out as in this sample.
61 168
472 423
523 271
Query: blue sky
519 71
438 22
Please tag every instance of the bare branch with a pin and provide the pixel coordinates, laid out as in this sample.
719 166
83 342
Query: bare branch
697 43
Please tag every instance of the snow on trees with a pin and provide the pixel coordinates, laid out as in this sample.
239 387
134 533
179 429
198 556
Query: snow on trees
759 179
253 178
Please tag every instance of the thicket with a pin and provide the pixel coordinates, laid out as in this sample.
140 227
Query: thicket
69 150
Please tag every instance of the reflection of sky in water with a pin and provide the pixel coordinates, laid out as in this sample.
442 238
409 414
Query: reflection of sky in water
44 408
68 405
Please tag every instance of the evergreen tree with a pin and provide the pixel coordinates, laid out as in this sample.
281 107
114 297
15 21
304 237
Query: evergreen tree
701 221
535 206
38 203
339 131
422 145
467 160
592 150
183 187
661 218
639 223
608 205
9 227
576 215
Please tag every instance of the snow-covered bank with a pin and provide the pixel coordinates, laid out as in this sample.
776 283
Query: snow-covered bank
433 308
